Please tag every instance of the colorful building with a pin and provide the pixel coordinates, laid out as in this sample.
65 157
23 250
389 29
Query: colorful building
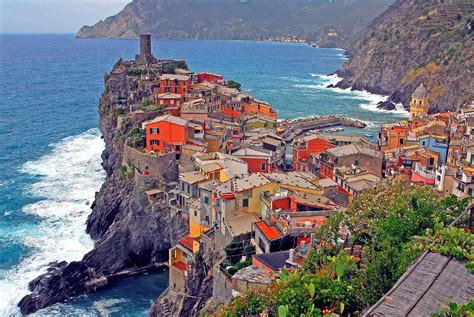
258 160
166 133
173 83
171 101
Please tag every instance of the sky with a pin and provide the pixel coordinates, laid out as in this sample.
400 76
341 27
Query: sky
54 16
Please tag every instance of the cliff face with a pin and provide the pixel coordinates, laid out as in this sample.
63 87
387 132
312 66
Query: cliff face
413 42
329 23
130 233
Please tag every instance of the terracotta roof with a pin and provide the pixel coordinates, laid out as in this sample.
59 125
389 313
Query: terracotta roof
187 242
270 232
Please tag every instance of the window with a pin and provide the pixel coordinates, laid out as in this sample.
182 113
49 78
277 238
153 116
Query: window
184 90
177 147
154 142
195 213
171 102
174 253
401 141
356 162
245 202
263 167
469 192
206 200
155 131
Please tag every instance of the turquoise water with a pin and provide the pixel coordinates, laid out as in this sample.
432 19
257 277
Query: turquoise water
50 146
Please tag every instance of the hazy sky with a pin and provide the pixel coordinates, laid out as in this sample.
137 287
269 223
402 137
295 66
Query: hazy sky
54 16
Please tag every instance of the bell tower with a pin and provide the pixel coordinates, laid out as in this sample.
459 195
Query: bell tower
419 104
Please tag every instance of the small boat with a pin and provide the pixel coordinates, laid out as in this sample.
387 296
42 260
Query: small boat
368 135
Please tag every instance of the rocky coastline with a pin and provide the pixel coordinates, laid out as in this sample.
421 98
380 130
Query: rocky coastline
411 43
131 234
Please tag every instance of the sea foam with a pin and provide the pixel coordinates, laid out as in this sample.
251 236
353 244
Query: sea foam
368 101
68 178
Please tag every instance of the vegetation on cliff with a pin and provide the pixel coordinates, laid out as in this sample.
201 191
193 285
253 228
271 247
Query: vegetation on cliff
415 42
394 224
330 23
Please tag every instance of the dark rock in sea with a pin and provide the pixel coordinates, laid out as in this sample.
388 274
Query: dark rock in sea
331 86
386 105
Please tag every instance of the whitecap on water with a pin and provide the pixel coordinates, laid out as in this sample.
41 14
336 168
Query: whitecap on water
68 177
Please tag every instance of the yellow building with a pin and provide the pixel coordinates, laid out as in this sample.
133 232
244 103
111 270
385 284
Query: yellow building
419 104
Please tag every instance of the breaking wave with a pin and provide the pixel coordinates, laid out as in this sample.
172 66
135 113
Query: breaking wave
68 178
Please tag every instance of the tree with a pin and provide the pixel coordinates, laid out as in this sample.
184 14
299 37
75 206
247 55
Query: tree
234 84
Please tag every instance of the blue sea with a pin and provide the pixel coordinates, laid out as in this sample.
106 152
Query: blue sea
50 146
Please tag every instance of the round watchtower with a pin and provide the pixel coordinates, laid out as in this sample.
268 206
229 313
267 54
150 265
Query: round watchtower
419 104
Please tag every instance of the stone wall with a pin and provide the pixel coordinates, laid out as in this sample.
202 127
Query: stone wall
221 287
164 166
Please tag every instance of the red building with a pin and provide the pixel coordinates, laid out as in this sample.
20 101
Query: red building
171 101
166 133
258 160
304 146
173 83
210 77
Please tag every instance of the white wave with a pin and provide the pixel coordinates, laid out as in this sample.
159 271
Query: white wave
68 180
369 101
323 80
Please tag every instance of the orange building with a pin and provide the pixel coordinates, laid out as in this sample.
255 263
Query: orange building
304 146
171 101
260 108
176 84
393 136
166 133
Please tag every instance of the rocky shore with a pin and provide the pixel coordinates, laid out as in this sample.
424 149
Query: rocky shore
130 233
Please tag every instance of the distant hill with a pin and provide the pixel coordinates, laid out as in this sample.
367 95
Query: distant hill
413 42
326 22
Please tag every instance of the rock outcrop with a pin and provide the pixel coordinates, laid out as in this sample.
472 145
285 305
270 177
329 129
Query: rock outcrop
328 23
130 233
413 42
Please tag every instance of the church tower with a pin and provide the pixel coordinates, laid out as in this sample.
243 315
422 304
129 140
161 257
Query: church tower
419 104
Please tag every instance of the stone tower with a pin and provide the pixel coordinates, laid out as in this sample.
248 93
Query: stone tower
145 56
145 44
419 104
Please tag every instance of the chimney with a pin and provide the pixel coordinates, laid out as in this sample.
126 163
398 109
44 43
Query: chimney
291 258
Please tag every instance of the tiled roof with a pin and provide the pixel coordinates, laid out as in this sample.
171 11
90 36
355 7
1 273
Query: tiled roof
192 177
174 76
352 149
187 242
275 260
270 232
167 118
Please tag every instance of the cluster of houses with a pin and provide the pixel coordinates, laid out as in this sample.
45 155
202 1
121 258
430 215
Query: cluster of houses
242 185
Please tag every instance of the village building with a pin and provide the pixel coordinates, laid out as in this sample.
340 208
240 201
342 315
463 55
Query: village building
171 102
174 83
352 155
166 133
